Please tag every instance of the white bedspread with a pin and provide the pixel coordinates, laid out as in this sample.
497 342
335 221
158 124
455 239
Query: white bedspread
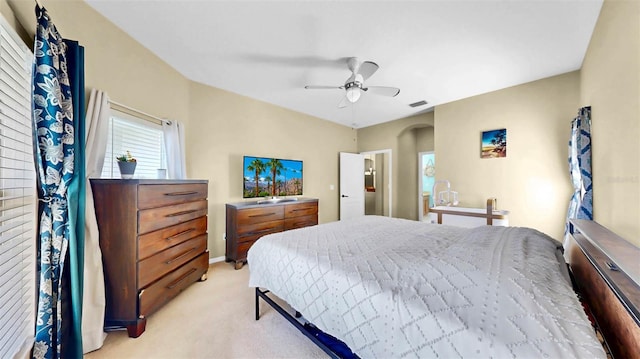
393 288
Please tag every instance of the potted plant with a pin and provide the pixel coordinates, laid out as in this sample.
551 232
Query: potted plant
127 164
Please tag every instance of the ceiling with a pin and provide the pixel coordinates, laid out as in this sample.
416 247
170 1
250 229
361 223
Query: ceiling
436 51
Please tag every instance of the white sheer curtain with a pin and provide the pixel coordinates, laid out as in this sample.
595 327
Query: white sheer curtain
93 304
174 144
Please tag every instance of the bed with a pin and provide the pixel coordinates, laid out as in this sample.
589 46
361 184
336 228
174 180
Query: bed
394 288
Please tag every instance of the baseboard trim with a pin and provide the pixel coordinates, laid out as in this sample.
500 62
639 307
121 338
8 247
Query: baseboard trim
216 260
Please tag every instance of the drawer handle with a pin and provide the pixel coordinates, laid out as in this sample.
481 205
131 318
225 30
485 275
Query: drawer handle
300 209
262 231
177 281
180 256
180 213
185 193
180 234
262 215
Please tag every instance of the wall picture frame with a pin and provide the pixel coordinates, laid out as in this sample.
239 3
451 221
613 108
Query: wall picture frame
494 144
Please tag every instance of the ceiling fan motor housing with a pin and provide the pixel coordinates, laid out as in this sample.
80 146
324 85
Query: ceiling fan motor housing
352 84
353 90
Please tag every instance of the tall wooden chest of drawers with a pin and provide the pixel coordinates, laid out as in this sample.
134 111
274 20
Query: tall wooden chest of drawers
248 221
153 237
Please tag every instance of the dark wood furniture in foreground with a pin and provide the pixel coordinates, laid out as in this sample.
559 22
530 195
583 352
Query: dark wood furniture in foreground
607 270
248 221
153 237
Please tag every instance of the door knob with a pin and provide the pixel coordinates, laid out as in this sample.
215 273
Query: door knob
344 195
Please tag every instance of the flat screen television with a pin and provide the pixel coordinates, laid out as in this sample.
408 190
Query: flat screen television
264 177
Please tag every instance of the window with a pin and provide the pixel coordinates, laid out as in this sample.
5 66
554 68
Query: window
17 197
143 138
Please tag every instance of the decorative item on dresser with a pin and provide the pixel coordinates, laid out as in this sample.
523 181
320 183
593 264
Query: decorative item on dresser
153 237
248 221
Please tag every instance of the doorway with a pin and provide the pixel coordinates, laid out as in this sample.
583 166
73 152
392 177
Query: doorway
377 179
426 179
366 184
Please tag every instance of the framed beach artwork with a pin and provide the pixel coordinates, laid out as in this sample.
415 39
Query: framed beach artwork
494 144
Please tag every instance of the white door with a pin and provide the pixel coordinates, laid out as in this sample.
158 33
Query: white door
351 185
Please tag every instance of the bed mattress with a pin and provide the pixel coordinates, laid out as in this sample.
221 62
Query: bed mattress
394 288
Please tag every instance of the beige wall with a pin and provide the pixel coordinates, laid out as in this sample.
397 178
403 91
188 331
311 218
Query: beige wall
114 62
536 116
14 22
402 137
610 84
532 181
220 126
425 139
226 126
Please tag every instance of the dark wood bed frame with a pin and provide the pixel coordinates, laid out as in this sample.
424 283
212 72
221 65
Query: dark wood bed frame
597 260
602 264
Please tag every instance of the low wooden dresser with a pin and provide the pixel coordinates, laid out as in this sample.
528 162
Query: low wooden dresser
248 221
153 237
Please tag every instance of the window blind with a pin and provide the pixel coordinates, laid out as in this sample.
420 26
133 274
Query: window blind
17 197
142 138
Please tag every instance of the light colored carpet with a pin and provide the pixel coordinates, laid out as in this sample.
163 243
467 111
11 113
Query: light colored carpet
213 319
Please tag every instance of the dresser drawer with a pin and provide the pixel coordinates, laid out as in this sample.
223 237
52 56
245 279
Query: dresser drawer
246 224
299 222
154 267
154 242
257 215
300 209
257 230
156 218
171 285
158 195
242 250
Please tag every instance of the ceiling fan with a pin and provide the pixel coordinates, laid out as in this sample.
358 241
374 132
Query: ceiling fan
354 86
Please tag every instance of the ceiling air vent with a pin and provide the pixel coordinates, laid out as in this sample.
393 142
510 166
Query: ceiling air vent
419 103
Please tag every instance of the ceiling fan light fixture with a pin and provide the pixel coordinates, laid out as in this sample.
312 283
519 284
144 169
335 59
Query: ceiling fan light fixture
353 94
354 85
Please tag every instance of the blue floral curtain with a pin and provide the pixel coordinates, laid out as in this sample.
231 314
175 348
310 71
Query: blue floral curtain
55 136
581 204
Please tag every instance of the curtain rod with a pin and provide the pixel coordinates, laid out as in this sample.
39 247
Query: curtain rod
140 112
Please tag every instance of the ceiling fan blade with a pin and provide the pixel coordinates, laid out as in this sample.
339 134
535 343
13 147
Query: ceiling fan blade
352 64
383 90
314 87
350 79
344 102
367 69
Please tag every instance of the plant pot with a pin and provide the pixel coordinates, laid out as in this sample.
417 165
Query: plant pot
127 169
